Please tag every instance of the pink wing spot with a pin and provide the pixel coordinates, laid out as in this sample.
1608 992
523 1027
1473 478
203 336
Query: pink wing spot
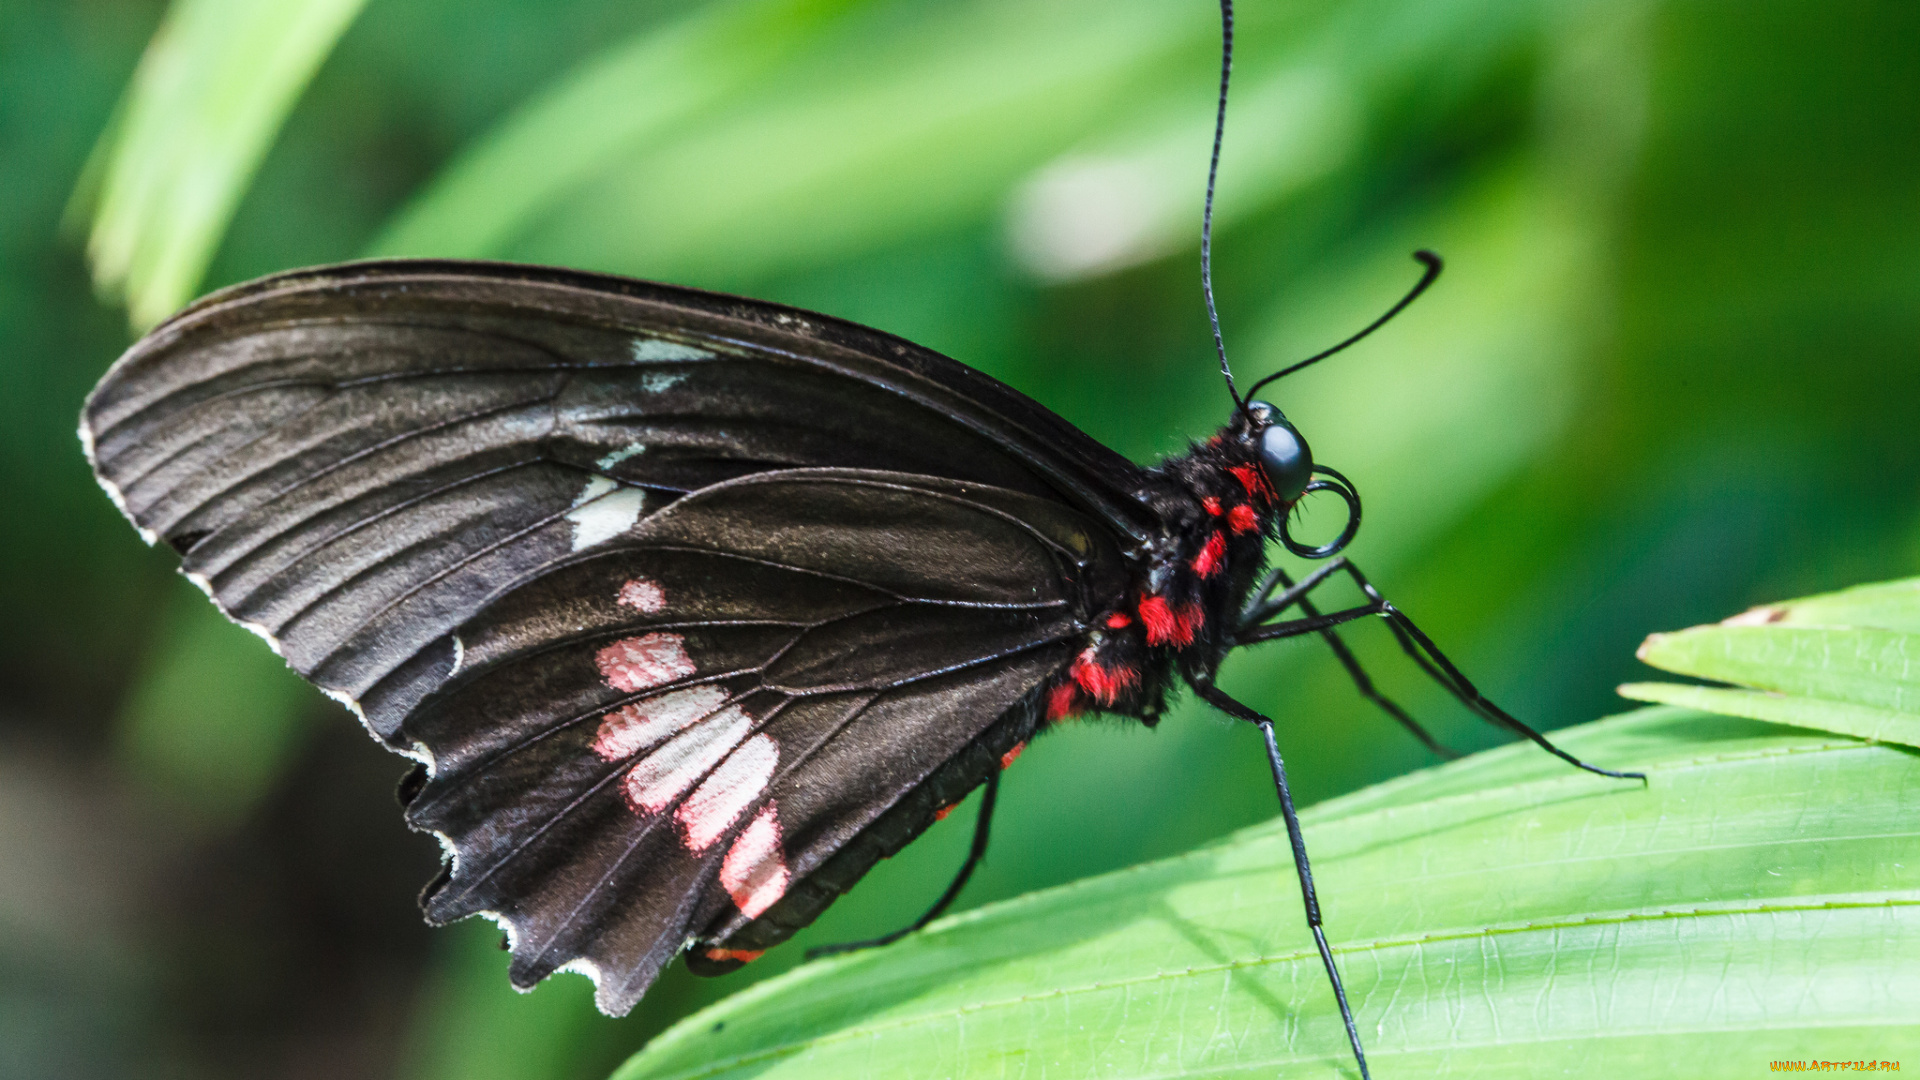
1007 759
646 724
658 779
640 663
745 956
754 872
724 796
643 596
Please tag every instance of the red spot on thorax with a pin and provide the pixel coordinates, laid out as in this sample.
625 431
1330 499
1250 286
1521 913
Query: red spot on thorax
1167 625
1212 505
1063 701
745 956
1242 519
1157 617
1118 621
1211 556
1101 682
1191 617
1254 481
1007 758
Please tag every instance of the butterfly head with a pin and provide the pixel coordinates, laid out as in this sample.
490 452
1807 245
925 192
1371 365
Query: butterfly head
1285 457
1287 466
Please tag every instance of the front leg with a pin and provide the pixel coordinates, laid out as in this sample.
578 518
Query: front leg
1413 641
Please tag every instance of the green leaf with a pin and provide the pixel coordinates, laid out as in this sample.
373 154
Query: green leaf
1860 721
212 91
1864 667
1886 605
1499 916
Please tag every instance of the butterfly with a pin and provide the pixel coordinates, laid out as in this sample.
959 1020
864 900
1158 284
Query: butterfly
691 608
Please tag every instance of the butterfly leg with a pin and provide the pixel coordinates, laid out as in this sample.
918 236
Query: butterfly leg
1277 578
1417 645
974 855
1234 708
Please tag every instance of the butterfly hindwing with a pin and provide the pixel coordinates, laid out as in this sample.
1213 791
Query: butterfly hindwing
656 741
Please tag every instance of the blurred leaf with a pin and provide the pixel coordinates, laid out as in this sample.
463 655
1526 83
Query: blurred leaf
639 91
1499 916
210 94
1131 191
757 137
215 717
884 127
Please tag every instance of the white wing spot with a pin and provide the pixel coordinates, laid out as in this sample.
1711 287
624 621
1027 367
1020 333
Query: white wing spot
660 380
645 724
603 510
724 796
644 662
659 778
755 870
643 596
648 349
622 454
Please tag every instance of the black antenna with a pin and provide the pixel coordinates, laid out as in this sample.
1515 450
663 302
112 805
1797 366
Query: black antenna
1426 258
1206 218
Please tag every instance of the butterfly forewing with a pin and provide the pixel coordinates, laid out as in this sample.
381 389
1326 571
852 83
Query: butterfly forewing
694 606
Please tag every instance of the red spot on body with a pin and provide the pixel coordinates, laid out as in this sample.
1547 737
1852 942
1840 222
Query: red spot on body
1242 519
1101 682
941 814
1157 617
1253 480
1211 556
745 956
1168 625
1189 618
1118 621
1007 758
1212 505
1063 701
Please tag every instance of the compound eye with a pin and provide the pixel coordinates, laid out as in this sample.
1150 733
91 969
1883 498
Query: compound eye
1286 459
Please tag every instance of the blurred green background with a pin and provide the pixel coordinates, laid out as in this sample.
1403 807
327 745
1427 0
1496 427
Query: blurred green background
1673 369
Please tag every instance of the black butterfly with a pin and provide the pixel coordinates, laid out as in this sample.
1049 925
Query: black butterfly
691 608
